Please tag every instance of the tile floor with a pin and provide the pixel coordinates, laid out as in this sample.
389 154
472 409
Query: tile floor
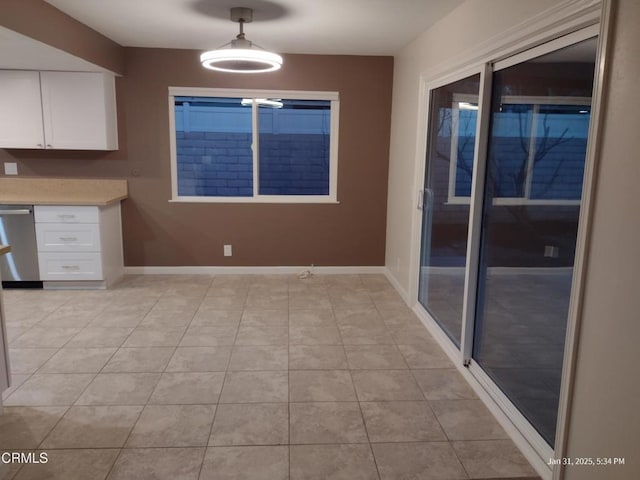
240 377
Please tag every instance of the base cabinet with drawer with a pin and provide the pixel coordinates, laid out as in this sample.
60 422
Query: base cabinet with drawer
79 243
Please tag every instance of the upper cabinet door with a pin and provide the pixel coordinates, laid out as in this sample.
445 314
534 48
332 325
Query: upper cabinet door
20 110
79 111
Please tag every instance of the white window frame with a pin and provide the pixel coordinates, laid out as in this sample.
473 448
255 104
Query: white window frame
333 97
453 199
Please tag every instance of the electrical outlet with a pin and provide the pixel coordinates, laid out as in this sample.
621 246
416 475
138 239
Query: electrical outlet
10 168
228 251
551 251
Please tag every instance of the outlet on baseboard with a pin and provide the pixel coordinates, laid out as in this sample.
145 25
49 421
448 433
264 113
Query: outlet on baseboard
228 251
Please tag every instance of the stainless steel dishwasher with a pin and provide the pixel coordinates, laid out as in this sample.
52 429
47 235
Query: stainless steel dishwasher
17 229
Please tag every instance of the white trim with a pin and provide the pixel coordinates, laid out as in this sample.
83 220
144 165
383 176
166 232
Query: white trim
533 446
173 152
275 270
252 93
255 148
396 284
78 285
333 150
548 47
582 242
333 97
474 221
422 122
563 18
259 199
464 71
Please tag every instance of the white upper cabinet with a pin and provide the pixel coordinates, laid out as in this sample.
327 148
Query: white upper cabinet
20 110
58 110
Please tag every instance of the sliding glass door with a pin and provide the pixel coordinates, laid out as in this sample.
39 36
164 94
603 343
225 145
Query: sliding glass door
445 201
540 115
503 297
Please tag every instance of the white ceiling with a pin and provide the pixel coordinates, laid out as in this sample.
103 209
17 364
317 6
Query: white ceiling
356 27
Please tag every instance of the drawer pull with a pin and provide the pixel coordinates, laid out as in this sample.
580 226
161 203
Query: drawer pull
69 239
71 267
66 215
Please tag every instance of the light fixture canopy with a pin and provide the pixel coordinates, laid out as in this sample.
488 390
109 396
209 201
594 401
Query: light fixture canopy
241 55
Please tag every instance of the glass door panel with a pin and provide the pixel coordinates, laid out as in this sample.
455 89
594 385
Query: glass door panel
535 166
446 201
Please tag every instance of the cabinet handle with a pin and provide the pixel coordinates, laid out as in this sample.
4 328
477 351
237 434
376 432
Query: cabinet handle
40 145
66 216
71 267
68 239
49 145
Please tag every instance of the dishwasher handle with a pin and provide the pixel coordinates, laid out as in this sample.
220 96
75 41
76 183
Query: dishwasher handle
17 211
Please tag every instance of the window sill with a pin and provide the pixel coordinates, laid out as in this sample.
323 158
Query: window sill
300 200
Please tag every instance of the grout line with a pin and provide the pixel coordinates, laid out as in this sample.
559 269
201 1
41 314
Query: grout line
257 285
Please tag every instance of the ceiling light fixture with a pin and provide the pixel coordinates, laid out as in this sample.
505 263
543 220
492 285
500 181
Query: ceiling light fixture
241 55
262 102
467 106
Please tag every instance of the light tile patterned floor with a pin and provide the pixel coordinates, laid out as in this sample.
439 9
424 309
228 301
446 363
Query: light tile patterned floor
240 377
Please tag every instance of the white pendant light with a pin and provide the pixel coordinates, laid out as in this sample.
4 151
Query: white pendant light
240 55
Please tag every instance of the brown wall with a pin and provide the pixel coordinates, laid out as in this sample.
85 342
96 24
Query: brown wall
157 232
45 23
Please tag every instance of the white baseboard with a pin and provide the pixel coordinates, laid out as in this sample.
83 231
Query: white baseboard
396 284
253 270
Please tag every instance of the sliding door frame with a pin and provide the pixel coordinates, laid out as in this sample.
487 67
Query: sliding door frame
521 423
422 151
582 20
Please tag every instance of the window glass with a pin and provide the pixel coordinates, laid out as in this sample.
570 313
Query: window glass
536 147
510 154
294 140
538 151
249 145
445 224
465 146
213 147
561 148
